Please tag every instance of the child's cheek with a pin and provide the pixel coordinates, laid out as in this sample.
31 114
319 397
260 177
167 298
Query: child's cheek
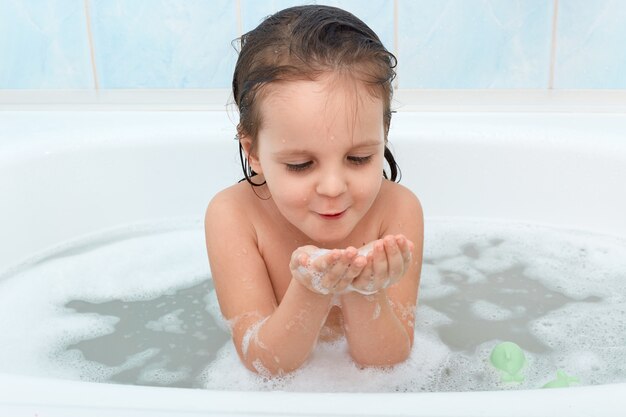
293 196
368 187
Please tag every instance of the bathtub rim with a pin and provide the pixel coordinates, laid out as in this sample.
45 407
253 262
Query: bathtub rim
404 100
30 395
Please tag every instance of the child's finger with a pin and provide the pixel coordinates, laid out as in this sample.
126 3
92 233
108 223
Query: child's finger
354 266
406 255
298 259
364 279
361 266
394 258
324 261
380 265
406 248
336 271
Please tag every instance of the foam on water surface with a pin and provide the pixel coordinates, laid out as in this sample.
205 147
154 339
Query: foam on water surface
139 308
130 308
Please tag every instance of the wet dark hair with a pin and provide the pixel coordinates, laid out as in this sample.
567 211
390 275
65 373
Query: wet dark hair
302 43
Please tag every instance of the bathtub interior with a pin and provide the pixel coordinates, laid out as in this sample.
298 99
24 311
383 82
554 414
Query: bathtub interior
76 175
82 173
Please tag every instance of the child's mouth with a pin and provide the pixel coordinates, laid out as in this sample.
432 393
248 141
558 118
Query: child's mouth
332 216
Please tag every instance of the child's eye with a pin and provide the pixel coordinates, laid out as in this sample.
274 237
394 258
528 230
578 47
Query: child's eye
299 167
359 160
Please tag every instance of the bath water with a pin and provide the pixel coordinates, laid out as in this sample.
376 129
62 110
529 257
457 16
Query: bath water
136 305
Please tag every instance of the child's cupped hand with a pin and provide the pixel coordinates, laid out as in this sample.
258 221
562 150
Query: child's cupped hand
387 261
377 265
326 271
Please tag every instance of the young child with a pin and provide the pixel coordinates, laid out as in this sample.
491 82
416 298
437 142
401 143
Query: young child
317 243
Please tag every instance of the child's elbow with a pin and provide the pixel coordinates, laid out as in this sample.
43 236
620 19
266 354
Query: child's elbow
270 366
269 370
386 358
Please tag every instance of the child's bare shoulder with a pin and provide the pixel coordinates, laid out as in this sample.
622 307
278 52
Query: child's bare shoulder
400 207
235 196
398 196
229 206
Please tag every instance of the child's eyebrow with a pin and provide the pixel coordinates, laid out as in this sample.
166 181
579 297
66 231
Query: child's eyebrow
368 142
291 152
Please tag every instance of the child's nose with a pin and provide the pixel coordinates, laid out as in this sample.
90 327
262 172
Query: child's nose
332 184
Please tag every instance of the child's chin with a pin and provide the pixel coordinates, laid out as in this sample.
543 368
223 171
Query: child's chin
328 240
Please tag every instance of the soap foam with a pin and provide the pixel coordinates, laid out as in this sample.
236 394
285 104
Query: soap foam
329 369
135 268
561 295
568 313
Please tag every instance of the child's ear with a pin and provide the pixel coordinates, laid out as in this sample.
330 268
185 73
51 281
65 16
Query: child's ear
251 154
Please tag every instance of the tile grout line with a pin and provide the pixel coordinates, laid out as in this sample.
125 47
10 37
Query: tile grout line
555 16
239 19
91 47
396 40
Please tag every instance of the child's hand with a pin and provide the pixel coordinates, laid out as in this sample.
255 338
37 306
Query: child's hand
387 261
326 271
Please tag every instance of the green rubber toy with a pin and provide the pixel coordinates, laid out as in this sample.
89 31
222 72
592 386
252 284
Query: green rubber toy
508 358
562 380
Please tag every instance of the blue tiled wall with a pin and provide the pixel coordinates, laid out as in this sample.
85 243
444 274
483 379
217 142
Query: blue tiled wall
490 44
187 44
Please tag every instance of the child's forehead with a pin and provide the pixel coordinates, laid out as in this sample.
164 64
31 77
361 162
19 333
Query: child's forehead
307 110
317 101
331 86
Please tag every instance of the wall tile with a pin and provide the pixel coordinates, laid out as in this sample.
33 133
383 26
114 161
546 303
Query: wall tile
164 43
43 44
474 43
187 44
591 44
377 14
254 11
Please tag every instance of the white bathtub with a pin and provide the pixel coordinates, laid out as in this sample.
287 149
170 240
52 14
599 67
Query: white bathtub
66 174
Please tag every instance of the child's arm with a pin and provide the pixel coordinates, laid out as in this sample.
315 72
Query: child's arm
379 326
269 339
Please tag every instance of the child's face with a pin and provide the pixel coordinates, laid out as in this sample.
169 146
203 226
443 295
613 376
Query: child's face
321 150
